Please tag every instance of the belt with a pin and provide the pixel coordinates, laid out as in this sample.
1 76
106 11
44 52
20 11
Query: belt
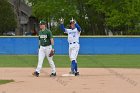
73 43
45 45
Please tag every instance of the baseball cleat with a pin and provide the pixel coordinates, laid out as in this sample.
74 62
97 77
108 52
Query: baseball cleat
35 74
53 75
76 73
71 72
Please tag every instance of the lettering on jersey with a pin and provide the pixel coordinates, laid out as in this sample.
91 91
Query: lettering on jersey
72 33
43 36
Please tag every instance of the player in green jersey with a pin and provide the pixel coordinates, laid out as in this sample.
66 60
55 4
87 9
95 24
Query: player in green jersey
46 46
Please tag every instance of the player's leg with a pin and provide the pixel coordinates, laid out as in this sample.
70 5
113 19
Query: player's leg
72 63
76 65
74 54
50 60
41 56
73 58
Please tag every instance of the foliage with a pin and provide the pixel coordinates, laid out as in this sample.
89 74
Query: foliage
7 17
94 16
53 10
120 15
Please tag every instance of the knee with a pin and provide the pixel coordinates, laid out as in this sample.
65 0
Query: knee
73 61
72 58
51 62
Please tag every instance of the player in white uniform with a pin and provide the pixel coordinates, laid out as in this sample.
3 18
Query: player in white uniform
73 40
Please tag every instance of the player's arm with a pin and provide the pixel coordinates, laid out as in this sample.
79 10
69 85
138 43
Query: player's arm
78 27
39 43
52 52
52 41
62 27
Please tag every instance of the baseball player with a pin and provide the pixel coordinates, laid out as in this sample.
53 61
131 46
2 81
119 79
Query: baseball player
73 40
46 48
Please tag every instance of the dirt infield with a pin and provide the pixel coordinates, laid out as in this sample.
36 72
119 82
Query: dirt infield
91 80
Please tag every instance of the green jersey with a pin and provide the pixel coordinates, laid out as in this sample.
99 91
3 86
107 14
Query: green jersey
44 37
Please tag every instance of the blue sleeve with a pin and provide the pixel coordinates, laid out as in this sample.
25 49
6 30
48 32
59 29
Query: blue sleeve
62 27
78 27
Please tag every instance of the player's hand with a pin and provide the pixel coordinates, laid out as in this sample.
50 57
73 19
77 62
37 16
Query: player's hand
53 50
52 53
61 20
73 20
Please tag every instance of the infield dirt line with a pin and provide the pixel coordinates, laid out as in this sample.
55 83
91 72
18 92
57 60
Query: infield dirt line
91 80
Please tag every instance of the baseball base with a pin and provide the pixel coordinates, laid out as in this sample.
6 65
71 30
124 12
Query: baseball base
68 75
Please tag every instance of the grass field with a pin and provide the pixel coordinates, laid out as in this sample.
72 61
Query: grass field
87 61
5 81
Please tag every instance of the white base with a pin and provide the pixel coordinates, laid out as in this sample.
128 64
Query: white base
68 75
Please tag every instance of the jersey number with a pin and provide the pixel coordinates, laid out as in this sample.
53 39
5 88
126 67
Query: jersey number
73 34
45 40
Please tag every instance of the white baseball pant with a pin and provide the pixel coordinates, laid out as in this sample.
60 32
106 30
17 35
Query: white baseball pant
45 51
73 50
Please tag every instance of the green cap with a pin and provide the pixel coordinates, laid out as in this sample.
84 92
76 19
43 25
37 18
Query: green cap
42 22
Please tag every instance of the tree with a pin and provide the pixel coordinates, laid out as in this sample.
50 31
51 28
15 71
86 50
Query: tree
7 17
95 16
53 10
120 15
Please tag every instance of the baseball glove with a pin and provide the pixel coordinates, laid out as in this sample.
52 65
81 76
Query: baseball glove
51 53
